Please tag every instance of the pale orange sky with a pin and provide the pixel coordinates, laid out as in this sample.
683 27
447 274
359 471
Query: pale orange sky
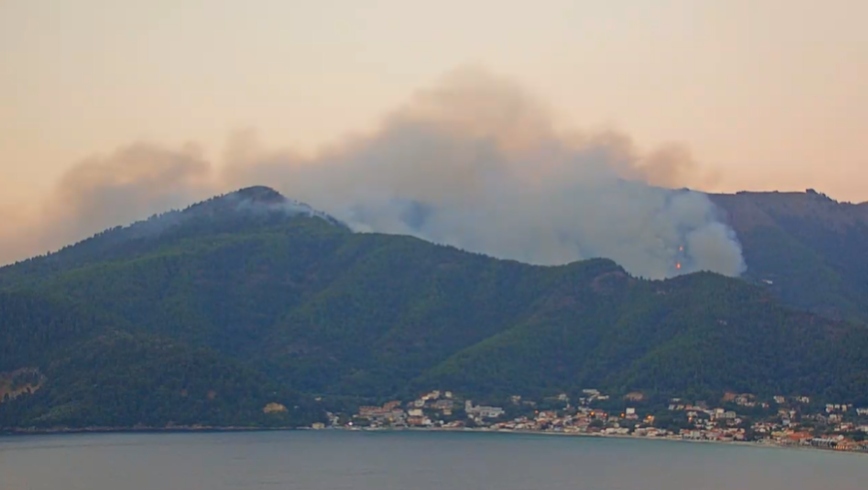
770 93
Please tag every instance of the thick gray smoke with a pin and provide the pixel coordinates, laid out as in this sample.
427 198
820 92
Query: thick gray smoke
475 163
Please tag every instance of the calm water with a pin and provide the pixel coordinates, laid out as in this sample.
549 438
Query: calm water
419 461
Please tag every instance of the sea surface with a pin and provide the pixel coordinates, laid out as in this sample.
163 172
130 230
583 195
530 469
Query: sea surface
336 460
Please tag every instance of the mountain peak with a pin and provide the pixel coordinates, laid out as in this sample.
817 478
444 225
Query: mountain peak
259 194
258 200
231 212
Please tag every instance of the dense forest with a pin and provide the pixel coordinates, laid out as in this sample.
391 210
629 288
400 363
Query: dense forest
84 371
206 315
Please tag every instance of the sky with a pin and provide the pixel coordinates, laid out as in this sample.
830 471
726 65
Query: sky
764 94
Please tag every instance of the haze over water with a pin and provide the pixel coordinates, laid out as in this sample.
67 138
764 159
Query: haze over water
423 461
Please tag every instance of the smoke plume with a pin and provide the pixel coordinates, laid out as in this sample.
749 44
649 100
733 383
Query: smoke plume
475 162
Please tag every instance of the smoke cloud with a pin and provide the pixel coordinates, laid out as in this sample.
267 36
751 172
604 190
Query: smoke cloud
106 191
476 162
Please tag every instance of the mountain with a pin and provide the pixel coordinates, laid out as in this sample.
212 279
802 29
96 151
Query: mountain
235 212
259 300
806 248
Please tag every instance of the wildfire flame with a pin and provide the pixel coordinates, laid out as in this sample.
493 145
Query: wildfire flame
678 265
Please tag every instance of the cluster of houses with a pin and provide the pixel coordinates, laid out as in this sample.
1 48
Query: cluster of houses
784 421
433 409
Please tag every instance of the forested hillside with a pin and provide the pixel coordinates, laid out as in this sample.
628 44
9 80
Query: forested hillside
67 367
248 299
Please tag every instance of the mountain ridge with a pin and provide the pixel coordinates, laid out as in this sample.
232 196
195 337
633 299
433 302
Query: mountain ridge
250 204
807 248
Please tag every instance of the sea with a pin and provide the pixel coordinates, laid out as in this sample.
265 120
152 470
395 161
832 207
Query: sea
336 460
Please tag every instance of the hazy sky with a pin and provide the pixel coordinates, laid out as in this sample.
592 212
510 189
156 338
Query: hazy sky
769 93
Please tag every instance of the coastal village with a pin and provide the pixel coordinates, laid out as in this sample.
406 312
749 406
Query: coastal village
742 418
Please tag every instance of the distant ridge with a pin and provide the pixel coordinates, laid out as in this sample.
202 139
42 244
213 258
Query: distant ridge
805 247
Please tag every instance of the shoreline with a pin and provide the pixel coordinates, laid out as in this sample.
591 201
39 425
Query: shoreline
582 434
18 432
